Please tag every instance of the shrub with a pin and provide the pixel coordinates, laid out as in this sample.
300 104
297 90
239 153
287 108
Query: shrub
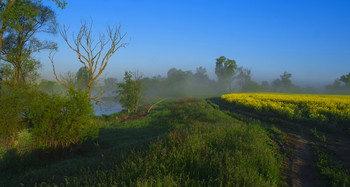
61 121
129 92
13 105
24 141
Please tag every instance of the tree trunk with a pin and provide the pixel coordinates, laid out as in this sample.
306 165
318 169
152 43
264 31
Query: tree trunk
2 30
3 26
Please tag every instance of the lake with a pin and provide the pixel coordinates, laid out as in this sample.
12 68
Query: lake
109 107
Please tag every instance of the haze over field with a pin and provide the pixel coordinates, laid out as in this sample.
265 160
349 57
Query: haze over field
309 39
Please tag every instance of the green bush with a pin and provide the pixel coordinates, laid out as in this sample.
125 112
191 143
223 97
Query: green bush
61 121
24 142
13 105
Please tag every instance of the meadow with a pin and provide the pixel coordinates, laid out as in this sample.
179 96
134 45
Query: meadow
187 142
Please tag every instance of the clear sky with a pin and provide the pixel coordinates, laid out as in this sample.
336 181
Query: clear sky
308 38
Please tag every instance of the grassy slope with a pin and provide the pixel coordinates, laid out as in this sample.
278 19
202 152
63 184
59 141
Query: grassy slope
187 142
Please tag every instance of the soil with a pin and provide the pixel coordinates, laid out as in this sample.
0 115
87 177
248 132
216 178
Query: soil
301 168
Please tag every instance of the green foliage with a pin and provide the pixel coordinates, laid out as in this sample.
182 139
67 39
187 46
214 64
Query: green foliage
214 150
20 43
61 121
129 91
319 137
225 70
13 105
25 142
330 168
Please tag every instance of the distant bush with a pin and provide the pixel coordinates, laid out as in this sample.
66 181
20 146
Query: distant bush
59 121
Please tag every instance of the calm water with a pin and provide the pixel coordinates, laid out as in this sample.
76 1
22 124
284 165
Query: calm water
110 107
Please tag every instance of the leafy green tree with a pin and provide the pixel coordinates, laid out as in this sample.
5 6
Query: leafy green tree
225 70
21 43
12 10
129 91
345 79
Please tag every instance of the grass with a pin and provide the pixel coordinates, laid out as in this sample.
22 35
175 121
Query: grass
327 164
330 167
186 142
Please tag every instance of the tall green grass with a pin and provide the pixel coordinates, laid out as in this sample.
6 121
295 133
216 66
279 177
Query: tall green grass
202 147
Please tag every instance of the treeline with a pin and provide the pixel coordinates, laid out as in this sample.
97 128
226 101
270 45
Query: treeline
230 78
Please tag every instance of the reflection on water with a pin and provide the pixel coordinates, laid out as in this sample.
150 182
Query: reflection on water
109 107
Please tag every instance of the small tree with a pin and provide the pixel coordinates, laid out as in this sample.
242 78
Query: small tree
90 54
129 91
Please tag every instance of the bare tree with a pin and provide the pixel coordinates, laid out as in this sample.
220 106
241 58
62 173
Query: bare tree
93 55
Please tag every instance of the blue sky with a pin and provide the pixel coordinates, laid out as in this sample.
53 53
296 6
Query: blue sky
308 38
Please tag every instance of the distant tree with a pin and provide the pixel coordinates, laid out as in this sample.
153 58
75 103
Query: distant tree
345 79
285 79
243 76
284 82
111 82
177 75
110 85
225 70
82 78
20 42
90 54
201 74
265 84
129 91
340 85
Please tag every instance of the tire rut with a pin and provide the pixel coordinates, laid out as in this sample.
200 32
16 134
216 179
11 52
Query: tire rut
302 170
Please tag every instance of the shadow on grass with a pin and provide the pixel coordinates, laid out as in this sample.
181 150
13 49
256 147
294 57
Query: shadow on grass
18 167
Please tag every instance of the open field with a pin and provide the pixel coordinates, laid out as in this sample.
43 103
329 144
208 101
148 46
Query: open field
186 142
322 111
317 128
198 142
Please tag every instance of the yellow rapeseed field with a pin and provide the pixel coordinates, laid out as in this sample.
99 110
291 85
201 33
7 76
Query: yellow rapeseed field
331 109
